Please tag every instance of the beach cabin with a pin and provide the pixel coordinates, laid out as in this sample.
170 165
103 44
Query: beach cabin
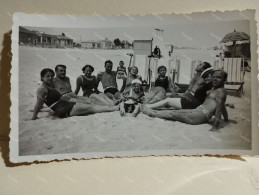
237 44
63 42
28 37
40 39
105 44
102 44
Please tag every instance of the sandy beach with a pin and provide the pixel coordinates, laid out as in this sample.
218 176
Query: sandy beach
109 132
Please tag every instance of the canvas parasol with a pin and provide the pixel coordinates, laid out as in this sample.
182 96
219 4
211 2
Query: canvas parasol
235 36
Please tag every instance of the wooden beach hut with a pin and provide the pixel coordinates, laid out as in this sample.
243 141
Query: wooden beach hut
237 44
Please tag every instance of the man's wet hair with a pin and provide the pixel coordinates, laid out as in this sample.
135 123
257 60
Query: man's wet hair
108 61
160 67
60 65
225 75
206 65
88 66
44 71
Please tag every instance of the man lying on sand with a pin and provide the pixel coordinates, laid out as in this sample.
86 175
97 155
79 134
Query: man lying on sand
132 98
214 104
108 80
61 106
194 95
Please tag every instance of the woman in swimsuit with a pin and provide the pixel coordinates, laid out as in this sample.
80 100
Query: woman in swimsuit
60 104
88 83
214 104
127 81
193 97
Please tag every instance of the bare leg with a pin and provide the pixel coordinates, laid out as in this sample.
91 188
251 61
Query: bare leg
84 109
136 111
111 96
168 102
115 97
100 99
122 109
190 116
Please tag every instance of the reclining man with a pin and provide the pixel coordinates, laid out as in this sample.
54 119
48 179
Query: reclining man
214 104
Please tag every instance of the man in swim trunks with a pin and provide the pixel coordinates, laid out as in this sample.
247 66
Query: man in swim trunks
108 80
214 104
194 95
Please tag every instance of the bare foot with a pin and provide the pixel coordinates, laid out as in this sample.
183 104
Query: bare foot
134 114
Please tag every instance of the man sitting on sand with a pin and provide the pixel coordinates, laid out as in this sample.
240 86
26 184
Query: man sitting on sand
61 82
214 104
108 80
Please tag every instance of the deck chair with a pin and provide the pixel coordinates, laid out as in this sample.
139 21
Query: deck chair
236 72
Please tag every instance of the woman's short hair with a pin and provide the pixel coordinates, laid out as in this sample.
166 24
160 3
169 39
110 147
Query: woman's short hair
160 67
45 70
88 66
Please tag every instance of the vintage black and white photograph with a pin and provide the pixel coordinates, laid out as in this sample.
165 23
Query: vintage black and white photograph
132 85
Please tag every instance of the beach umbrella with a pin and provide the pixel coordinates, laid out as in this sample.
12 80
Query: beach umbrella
235 36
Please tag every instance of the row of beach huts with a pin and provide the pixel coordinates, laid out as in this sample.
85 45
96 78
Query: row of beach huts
40 39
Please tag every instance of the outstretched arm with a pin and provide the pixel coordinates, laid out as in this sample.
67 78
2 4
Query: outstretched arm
220 108
78 84
225 113
41 93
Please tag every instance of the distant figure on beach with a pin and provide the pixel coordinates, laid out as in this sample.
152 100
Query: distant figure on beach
127 81
194 95
108 80
61 105
157 52
214 104
88 83
121 70
131 99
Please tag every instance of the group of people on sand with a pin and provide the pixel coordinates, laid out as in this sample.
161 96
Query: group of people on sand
204 97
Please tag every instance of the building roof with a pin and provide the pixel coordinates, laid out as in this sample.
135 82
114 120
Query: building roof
63 37
25 30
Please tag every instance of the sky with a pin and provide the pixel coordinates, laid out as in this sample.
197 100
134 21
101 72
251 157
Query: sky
199 35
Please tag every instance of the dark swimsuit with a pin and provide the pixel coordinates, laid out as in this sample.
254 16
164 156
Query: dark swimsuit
89 86
193 100
60 107
162 82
